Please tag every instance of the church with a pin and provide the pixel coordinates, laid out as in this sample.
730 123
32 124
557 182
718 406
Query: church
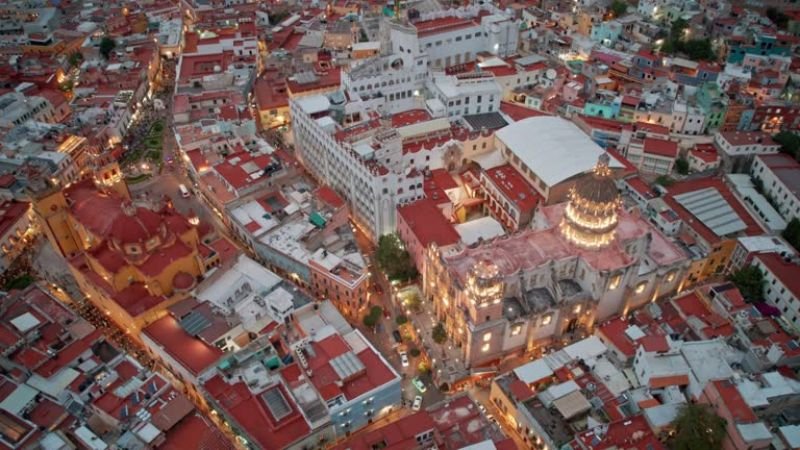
581 261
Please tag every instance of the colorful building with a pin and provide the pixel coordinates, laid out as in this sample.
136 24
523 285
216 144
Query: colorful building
132 259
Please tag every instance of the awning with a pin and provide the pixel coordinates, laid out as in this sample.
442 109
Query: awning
317 220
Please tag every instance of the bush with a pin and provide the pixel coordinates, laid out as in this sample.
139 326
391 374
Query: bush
401 320
20 283
750 282
444 387
374 315
414 352
439 334
792 233
682 166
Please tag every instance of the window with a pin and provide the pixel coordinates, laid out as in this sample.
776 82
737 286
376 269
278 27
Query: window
516 329
546 320
577 309
487 337
640 287
485 348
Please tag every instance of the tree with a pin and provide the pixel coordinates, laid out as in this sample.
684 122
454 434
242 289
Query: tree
401 320
778 18
414 352
750 282
75 59
439 334
372 318
619 7
790 143
697 427
413 302
664 180
677 28
699 50
393 259
792 233
682 166
106 46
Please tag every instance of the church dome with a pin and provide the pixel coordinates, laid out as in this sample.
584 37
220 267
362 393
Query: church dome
135 225
590 218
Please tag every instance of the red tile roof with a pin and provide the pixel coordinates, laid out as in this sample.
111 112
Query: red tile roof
442 25
69 354
410 117
428 224
195 432
786 272
518 112
329 197
661 147
514 187
253 416
734 402
192 353
632 433
671 380
11 212
690 305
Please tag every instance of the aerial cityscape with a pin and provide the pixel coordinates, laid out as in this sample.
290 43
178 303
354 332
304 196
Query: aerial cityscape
400 224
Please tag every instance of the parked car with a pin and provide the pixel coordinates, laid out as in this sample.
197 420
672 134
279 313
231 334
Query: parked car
481 408
417 403
404 359
397 337
419 385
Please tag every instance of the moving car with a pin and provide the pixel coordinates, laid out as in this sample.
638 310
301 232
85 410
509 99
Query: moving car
184 192
404 359
417 403
419 385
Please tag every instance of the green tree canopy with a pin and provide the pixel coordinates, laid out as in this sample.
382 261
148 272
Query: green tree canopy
792 233
401 319
106 46
374 315
393 259
750 282
439 334
790 143
619 7
75 59
697 427
682 166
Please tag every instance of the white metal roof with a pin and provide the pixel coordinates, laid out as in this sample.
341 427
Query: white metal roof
710 208
484 228
553 148
533 371
25 322
314 104
18 399
791 434
754 431
588 348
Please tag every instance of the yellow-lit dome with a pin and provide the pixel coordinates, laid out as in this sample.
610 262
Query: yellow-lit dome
590 218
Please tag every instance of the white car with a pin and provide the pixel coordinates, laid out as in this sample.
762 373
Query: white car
417 403
481 408
404 359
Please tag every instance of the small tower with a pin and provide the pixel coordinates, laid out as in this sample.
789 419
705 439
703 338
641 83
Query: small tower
108 178
590 218
485 284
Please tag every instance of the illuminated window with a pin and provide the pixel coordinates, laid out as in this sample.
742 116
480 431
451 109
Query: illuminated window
547 320
516 329
577 309
485 348
615 282
640 287
487 337
670 277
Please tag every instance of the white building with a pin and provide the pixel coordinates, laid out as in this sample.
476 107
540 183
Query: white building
782 287
457 36
466 94
779 176
740 147
348 148
550 152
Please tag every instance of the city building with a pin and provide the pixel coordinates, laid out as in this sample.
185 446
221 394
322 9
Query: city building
779 178
738 148
17 227
583 261
553 161
132 257
781 288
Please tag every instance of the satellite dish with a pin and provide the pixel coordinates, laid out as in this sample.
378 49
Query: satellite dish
550 74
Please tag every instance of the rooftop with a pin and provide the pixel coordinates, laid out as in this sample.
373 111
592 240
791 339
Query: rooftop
428 223
785 271
560 151
514 187
194 354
